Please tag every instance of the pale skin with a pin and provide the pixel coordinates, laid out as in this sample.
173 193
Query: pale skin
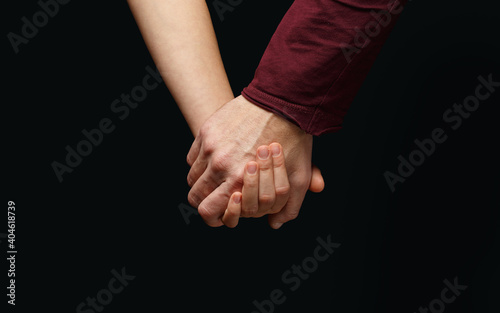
180 37
267 188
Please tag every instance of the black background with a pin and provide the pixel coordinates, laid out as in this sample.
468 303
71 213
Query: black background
119 207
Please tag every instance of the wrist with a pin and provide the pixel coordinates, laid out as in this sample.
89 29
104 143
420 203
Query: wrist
203 111
280 118
279 129
277 121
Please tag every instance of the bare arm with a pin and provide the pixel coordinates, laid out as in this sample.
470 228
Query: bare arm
180 37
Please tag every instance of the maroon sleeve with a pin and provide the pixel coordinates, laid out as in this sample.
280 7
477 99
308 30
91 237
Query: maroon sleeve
318 58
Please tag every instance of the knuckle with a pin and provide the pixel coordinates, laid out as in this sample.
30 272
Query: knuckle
275 210
236 181
208 147
208 142
278 161
250 211
204 130
193 199
206 213
265 166
290 215
300 189
282 191
190 180
220 162
266 199
251 183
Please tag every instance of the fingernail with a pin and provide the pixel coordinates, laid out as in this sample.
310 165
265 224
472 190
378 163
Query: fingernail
275 150
237 199
263 153
277 225
252 168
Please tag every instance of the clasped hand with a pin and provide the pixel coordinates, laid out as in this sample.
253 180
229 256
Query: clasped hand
238 166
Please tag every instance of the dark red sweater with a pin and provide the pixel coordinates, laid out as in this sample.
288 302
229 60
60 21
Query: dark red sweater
318 58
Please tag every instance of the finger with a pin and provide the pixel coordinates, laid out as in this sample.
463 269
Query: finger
213 207
196 161
290 211
197 169
194 151
317 181
250 192
204 186
233 211
281 183
266 180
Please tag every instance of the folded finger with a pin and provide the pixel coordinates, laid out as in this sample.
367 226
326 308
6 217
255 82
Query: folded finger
204 186
281 183
194 151
197 169
212 208
232 214
266 180
250 192
290 211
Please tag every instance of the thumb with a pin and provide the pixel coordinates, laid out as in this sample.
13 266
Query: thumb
317 182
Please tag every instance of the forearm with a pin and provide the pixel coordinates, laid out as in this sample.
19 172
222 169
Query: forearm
318 58
180 37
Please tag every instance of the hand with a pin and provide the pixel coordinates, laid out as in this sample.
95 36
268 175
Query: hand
264 180
227 141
